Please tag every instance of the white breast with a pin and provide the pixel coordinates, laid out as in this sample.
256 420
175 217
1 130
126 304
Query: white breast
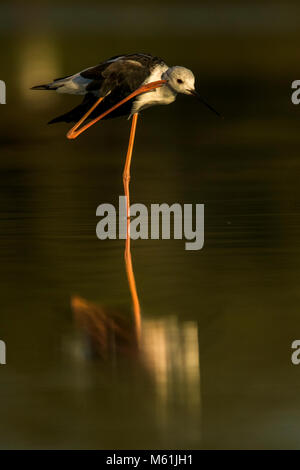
161 95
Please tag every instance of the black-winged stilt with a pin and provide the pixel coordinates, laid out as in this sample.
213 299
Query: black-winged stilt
122 85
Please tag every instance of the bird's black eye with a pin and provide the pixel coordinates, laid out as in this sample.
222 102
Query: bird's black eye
179 80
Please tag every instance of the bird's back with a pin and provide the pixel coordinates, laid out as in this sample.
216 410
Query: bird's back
113 79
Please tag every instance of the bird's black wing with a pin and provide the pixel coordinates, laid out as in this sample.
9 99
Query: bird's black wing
76 113
130 70
114 79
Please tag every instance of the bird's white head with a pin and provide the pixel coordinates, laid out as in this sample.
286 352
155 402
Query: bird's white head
180 79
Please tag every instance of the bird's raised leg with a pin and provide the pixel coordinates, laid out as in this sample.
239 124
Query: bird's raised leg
75 132
72 134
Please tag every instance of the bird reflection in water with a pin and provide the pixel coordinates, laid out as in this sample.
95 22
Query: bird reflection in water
108 330
166 348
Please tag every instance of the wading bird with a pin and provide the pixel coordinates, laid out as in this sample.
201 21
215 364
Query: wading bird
122 86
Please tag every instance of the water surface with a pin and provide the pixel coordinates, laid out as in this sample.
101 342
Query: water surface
213 369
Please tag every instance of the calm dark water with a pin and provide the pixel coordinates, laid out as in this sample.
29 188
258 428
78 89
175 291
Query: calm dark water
213 369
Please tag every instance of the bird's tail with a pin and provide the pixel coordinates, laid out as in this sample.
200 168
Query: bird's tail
47 86
67 117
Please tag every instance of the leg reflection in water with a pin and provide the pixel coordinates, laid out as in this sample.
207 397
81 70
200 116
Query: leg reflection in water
106 328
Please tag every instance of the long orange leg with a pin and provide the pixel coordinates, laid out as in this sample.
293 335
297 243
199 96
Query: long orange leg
126 172
128 260
73 133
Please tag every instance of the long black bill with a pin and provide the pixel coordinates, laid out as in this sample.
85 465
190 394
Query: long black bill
196 94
